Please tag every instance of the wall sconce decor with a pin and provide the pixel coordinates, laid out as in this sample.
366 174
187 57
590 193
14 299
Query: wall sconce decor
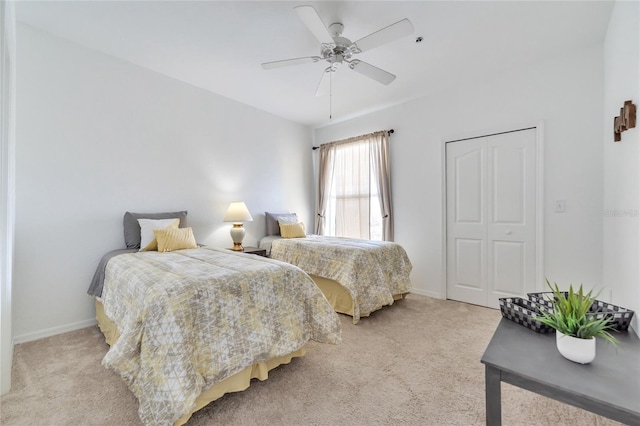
626 120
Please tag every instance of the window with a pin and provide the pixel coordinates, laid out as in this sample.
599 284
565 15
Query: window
354 189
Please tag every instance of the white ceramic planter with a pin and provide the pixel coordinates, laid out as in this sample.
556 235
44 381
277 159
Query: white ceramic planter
582 351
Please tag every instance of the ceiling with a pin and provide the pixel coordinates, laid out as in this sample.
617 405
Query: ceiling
219 45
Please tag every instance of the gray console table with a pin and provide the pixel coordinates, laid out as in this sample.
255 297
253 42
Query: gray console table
609 386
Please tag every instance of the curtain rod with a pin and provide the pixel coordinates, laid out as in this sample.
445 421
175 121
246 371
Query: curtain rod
389 132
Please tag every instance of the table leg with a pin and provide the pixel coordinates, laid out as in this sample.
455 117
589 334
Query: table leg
492 396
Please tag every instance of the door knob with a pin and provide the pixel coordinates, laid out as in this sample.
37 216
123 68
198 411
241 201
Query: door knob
508 232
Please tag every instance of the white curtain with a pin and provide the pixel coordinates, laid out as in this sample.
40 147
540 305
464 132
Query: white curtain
354 194
7 188
325 175
382 172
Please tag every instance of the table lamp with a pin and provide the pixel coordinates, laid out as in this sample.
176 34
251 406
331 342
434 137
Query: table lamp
237 213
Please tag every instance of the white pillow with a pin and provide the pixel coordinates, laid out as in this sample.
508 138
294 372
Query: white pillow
148 225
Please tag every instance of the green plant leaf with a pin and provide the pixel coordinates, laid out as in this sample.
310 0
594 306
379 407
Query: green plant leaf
571 314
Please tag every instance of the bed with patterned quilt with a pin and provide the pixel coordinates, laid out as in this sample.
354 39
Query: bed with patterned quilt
356 276
187 326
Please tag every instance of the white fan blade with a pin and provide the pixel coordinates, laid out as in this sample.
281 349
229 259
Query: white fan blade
288 62
370 71
325 81
312 20
385 35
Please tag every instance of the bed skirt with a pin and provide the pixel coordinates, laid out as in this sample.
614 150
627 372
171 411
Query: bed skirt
236 383
339 297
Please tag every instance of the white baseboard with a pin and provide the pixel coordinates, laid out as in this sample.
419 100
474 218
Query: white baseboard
48 332
428 293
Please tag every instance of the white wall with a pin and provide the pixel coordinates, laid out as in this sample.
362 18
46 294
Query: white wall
97 136
622 159
567 94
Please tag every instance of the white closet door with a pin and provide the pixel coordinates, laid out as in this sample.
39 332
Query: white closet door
467 221
491 223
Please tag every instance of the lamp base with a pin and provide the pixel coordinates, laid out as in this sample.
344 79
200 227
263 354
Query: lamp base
237 235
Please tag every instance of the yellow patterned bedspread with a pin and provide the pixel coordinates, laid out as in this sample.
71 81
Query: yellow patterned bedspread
371 271
191 318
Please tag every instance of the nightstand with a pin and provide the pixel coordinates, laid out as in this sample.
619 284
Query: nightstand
255 250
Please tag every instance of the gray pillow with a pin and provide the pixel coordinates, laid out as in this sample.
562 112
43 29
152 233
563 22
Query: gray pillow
132 227
273 227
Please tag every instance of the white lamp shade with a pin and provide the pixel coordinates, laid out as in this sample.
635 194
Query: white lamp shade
237 212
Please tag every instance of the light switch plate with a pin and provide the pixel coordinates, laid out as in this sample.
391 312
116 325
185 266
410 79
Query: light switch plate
559 206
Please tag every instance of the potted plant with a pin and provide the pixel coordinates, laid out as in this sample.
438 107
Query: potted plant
576 326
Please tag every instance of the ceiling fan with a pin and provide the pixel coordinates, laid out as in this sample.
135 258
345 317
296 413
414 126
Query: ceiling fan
337 50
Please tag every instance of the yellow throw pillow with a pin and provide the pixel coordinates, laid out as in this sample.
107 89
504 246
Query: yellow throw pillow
147 226
171 239
292 230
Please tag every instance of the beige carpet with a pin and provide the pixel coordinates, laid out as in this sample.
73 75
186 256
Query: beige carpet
414 363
